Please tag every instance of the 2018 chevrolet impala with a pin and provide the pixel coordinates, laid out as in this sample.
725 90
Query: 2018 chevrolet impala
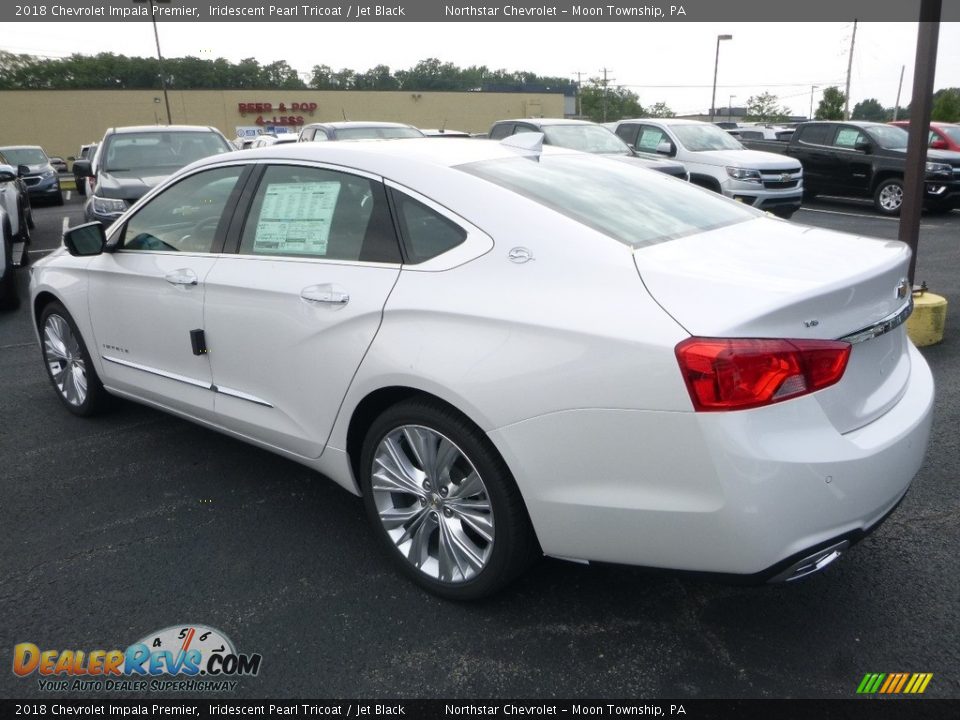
509 349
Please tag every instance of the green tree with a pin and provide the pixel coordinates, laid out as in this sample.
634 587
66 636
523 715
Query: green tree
660 110
602 104
763 108
946 105
869 109
831 104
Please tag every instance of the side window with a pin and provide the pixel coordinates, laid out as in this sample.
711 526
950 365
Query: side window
649 138
499 132
183 218
306 135
426 233
315 213
848 137
815 134
628 133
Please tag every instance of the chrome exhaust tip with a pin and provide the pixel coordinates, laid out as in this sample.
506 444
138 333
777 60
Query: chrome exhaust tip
811 563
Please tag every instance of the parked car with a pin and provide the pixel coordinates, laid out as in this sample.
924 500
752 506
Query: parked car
613 366
58 164
266 140
87 152
15 199
42 181
131 160
718 162
584 136
943 136
762 132
867 159
357 130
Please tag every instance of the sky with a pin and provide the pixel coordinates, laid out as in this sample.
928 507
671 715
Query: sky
661 62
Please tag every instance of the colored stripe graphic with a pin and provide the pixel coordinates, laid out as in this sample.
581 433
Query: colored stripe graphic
894 683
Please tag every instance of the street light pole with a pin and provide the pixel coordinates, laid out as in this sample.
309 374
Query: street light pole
730 106
812 88
716 65
163 77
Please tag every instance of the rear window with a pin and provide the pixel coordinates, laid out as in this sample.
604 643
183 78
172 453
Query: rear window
377 133
636 207
161 149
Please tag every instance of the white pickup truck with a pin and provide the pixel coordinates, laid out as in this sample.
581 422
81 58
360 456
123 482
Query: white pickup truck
717 161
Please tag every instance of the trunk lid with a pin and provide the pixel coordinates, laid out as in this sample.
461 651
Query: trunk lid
768 278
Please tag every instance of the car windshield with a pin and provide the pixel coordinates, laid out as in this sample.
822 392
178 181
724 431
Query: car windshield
951 131
586 138
25 156
889 137
129 151
634 206
372 133
698 138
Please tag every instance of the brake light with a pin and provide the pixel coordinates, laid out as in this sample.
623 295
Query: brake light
741 373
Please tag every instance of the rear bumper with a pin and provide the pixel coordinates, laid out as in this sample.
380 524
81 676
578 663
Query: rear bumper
741 493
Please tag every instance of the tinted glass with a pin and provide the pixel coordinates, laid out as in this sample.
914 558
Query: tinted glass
889 137
816 134
636 207
184 217
25 156
314 213
426 233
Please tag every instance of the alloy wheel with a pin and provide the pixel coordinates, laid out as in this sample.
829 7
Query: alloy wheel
61 349
433 504
891 197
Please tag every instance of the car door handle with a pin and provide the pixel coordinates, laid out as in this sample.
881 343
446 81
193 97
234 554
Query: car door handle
181 276
327 294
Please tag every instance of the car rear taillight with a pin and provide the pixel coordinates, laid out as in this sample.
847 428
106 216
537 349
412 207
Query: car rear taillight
741 373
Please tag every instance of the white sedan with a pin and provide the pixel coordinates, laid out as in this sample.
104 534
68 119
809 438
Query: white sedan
508 350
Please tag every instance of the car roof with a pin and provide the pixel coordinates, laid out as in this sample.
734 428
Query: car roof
21 147
343 124
546 122
162 128
668 121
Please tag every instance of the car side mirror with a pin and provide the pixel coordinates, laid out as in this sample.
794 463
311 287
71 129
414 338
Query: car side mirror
665 148
863 146
7 173
85 240
81 168
23 170
939 144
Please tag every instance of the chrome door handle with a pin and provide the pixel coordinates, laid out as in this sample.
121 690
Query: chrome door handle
327 294
181 276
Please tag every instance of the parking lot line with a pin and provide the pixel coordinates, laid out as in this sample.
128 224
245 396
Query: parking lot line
65 224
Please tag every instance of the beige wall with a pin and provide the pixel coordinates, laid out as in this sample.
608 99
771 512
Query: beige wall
62 120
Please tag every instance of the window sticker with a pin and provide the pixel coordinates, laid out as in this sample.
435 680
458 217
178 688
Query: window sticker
295 218
847 137
650 139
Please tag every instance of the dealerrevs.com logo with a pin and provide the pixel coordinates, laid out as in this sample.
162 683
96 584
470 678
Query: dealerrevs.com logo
180 658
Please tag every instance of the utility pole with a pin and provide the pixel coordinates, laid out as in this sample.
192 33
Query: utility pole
163 77
578 73
896 105
605 85
812 88
846 101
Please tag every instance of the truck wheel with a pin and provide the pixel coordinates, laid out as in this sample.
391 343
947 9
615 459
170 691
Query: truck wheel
888 197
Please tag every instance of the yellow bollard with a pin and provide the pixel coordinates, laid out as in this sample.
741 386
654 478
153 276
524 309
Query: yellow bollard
928 321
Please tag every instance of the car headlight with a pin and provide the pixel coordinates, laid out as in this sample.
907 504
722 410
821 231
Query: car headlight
935 168
744 174
48 173
108 206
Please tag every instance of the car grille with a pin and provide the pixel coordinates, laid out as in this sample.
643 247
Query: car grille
32 180
781 179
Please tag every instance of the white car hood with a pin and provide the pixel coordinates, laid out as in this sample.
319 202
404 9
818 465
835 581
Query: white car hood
754 159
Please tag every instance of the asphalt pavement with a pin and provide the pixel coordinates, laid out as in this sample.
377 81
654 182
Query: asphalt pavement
119 526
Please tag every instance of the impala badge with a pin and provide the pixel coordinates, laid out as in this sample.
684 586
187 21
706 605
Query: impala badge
520 255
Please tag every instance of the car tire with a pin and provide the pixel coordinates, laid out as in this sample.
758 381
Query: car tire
888 196
68 364
784 214
458 527
25 226
9 300
59 200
